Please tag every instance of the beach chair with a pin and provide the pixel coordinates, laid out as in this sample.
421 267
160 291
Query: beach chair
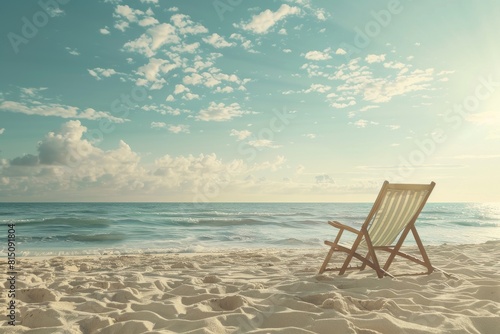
391 218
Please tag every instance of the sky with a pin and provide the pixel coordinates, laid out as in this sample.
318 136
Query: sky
248 101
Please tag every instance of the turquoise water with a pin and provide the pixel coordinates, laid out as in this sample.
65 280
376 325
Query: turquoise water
118 228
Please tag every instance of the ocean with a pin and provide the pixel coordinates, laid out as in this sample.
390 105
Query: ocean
46 229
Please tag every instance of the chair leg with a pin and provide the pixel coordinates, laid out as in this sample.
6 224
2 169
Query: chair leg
367 257
327 259
421 247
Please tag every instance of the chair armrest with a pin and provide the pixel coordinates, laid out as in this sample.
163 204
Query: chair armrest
343 227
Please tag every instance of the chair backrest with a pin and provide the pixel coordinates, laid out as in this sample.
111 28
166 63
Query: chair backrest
396 207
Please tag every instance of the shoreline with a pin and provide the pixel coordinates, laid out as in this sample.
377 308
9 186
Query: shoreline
221 250
255 291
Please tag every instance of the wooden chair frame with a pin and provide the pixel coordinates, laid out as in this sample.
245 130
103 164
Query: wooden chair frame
370 259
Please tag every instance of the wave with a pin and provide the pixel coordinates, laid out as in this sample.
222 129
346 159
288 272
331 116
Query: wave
105 237
476 224
74 222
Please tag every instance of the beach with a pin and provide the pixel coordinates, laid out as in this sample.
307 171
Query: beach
255 291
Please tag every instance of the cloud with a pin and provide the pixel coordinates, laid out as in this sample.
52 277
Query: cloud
172 128
25 160
263 143
164 109
317 88
98 72
310 135
105 30
362 123
180 88
261 23
148 21
186 25
217 41
340 51
220 112
368 108
394 65
240 135
191 96
153 70
318 55
68 165
2 130
324 179
66 146
186 48
33 107
154 38
73 52
32 92
375 58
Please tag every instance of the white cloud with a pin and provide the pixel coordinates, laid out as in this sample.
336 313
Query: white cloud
98 72
128 13
33 107
154 38
362 123
287 50
282 31
153 70
191 96
170 98
310 135
148 21
318 88
121 25
318 55
342 104
150 1
227 89
186 25
394 65
263 143
375 58
54 11
188 48
261 23
321 14
2 130
164 109
180 88
95 174
240 135
245 43
220 112
393 126
32 92
73 52
368 108
104 31
172 128
217 41
340 51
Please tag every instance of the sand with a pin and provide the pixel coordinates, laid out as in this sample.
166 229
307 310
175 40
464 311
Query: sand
264 291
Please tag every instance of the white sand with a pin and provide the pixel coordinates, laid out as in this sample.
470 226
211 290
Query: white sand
256 292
